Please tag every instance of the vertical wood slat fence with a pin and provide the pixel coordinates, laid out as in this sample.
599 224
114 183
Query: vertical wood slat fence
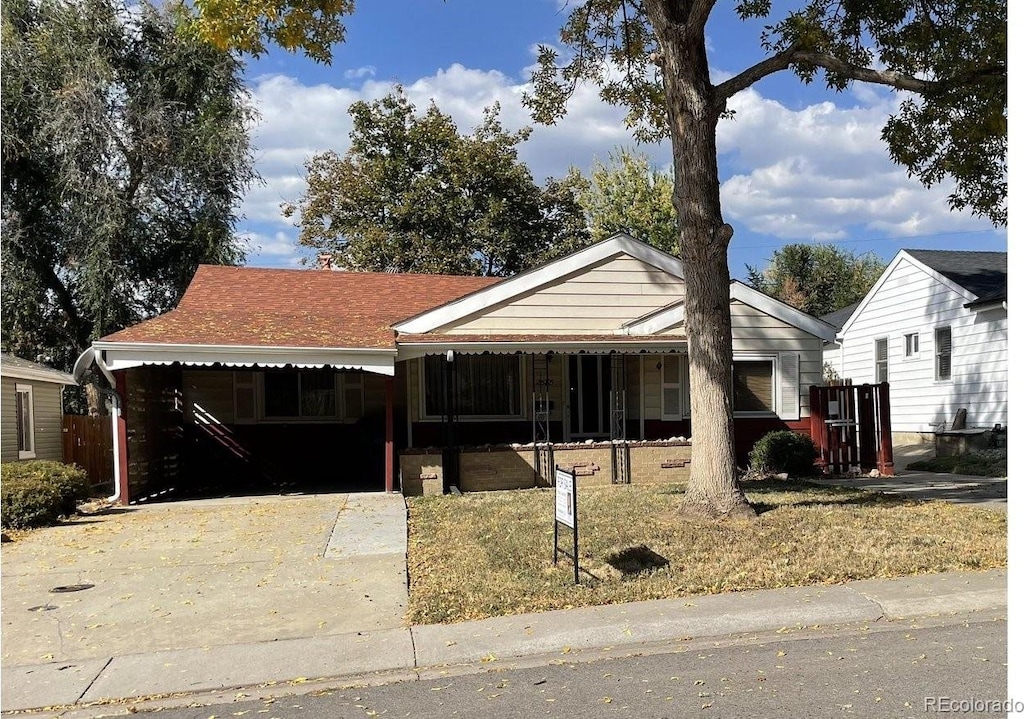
851 428
88 442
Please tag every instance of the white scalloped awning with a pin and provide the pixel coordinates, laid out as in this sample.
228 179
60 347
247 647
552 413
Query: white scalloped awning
119 356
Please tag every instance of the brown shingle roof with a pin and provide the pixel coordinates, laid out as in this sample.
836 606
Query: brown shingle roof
297 308
433 337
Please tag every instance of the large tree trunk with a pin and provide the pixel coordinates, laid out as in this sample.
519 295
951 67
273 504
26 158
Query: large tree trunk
713 488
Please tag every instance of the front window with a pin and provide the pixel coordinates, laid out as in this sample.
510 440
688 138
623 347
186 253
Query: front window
295 394
943 353
482 385
25 420
753 386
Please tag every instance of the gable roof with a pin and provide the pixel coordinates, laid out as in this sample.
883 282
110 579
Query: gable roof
250 306
838 318
981 273
960 270
18 368
620 243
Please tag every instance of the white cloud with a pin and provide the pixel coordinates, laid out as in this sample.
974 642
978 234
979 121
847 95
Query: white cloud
358 73
815 173
812 173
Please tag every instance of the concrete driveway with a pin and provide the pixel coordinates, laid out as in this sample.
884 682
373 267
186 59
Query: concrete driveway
205 573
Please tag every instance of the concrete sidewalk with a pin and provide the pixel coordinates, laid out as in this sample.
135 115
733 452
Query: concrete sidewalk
407 650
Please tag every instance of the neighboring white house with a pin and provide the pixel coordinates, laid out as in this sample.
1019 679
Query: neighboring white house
934 326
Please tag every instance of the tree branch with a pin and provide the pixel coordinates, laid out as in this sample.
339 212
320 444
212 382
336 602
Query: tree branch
877 77
723 91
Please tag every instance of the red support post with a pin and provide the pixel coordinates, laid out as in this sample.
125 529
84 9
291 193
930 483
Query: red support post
885 463
121 379
389 434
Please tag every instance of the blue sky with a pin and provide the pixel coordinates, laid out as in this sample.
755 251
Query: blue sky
799 163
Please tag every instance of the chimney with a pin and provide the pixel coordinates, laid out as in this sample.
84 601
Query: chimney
325 261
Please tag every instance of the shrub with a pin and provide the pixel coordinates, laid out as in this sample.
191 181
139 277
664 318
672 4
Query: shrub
784 451
36 493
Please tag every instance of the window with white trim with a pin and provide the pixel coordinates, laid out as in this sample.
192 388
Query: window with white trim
882 360
943 353
484 385
911 345
25 420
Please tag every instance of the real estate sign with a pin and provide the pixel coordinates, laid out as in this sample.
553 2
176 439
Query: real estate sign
565 514
565 497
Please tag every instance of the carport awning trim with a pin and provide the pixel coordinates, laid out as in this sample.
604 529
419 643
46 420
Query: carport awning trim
125 355
419 349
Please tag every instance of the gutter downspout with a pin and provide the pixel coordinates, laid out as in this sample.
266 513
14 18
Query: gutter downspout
115 410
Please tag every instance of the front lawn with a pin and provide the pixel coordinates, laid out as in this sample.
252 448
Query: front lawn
489 554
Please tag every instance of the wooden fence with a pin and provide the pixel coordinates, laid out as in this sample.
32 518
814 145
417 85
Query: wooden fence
88 442
851 427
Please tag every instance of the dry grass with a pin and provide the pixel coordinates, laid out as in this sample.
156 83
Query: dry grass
489 554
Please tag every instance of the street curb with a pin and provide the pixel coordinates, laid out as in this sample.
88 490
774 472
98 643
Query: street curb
407 652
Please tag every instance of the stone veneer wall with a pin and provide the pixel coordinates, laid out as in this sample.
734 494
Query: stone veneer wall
512 466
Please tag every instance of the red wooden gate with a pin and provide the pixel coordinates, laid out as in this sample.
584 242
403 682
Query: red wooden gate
851 428
88 442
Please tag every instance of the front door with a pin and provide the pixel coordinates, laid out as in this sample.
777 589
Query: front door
590 383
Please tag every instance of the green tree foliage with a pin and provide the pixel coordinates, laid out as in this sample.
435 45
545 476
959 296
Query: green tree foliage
125 154
412 194
817 279
628 194
948 57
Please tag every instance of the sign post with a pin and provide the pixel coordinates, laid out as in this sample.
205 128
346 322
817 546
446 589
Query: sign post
565 514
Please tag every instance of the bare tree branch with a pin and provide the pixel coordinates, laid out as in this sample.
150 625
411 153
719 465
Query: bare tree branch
865 74
752 74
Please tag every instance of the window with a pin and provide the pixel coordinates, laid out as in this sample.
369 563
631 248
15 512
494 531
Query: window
882 360
25 419
753 386
943 353
672 387
484 385
295 394
911 345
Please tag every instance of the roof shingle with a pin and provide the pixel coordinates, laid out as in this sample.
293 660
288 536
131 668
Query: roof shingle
248 306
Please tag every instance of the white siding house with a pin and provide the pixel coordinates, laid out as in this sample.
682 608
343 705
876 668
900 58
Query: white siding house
934 326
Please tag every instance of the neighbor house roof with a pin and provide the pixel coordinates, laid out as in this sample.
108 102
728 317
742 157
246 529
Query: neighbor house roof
980 273
248 306
838 318
18 368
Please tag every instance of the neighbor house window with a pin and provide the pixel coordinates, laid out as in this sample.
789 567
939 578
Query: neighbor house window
483 385
882 360
300 394
943 353
911 345
25 420
753 386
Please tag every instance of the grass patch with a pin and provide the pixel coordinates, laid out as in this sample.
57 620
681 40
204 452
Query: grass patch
489 554
988 464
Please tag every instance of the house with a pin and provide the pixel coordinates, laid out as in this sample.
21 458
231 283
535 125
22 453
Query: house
341 379
934 327
31 421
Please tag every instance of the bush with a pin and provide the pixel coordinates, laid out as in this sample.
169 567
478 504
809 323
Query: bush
784 451
36 493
